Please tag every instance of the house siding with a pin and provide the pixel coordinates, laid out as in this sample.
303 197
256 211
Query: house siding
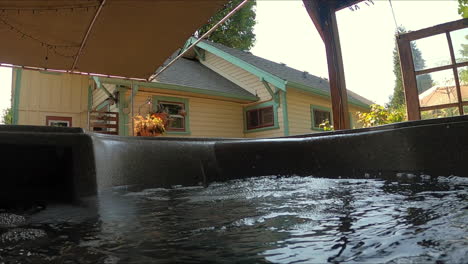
208 117
237 75
252 84
52 94
299 113
99 96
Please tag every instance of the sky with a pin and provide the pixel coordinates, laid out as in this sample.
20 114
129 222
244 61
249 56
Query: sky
286 34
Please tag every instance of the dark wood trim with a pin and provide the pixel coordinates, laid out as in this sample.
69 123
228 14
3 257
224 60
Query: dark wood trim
339 94
441 68
59 118
435 30
409 79
313 9
433 107
455 73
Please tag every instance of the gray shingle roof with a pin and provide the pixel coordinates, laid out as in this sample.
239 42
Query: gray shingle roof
284 72
191 73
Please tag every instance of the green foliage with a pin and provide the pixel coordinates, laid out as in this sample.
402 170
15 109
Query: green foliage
397 99
326 126
379 115
237 31
463 8
7 116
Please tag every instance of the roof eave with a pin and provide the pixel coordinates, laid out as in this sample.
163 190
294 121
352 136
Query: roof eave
324 94
179 88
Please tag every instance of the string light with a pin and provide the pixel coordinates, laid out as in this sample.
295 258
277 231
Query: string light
51 8
50 46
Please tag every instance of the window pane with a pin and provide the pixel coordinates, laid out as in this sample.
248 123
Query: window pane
463 78
252 118
439 113
320 116
172 108
266 115
177 122
460 44
430 52
437 88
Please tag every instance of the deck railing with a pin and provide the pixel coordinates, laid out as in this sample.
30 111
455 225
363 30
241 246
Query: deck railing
104 122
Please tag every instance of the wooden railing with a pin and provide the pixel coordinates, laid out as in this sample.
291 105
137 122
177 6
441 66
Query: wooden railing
104 122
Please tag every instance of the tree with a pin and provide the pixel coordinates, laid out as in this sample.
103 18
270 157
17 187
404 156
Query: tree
397 99
237 31
7 117
463 8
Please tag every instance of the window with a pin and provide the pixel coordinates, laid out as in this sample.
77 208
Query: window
58 121
320 115
260 117
177 109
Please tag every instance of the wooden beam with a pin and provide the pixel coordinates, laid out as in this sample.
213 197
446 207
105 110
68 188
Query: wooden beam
409 79
313 9
336 75
323 15
426 32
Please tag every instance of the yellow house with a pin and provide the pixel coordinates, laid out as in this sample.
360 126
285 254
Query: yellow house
213 91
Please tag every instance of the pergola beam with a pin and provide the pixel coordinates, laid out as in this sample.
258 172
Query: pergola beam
323 15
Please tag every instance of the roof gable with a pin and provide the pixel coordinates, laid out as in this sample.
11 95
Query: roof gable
277 74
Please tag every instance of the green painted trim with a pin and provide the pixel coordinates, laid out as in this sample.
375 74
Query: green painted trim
174 87
200 53
351 120
325 94
270 91
90 98
49 72
261 105
16 98
102 105
123 118
322 108
284 106
185 101
275 80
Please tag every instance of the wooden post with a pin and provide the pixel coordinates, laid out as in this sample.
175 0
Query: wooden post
409 78
336 75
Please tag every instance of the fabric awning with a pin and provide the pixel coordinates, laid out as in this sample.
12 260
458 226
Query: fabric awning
130 38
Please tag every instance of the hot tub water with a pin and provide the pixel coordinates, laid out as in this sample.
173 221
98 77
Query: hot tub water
256 220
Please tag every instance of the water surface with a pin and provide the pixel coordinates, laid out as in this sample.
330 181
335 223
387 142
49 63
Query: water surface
258 220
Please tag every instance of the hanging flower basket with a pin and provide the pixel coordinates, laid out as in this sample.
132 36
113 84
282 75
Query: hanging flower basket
151 125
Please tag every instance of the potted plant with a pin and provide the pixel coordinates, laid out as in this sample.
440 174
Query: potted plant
151 125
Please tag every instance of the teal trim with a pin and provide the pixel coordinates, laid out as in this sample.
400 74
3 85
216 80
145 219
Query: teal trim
270 91
325 94
351 120
322 108
90 98
102 105
275 80
100 86
157 99
284 106
123 118
261 105
174 87
50 72
16 98
200 53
